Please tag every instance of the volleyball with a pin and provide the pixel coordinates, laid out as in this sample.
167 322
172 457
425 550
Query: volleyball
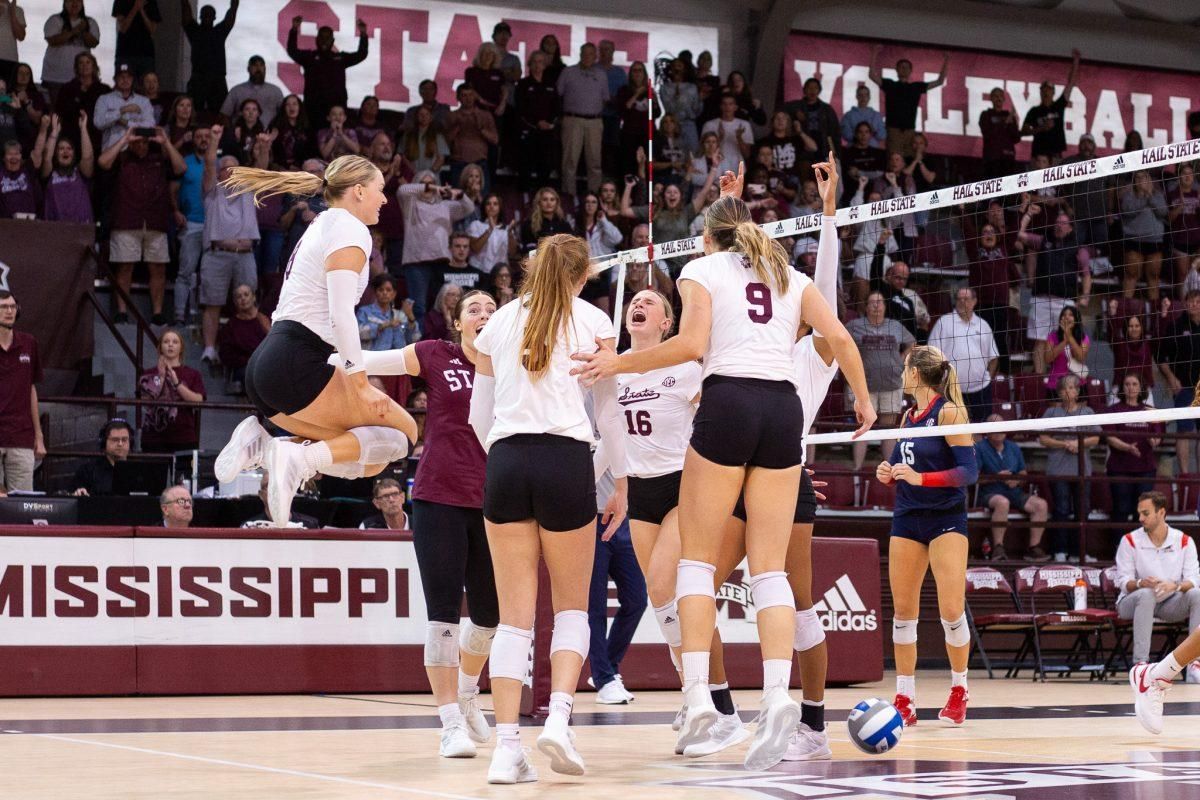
875 726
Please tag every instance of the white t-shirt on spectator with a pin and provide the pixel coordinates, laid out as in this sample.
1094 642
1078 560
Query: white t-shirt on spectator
969 346
58 64
730 152
304 297
495 249
554 402
8 42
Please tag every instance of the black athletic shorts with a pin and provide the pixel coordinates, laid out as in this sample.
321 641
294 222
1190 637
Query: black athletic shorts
806 503
541 477
650 499
748 422
288 370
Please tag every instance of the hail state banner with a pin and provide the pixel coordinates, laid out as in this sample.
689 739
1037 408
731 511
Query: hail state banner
1108 100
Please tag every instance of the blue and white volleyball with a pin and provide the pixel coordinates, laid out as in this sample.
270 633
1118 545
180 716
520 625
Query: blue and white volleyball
875 726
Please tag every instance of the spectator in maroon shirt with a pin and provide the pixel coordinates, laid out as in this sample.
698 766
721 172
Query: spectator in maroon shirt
487 80
338 140
240 335
81 94
67 174
166 429
397 171
860 157
1131 448
295 141
1001 133
550 47
325 68
471 132
1134 353
180 121
633 108
239 137
21 442
537 119
367 124
20 189
990 272
1183 215
141 212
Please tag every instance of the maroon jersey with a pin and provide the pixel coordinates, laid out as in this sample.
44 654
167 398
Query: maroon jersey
451 470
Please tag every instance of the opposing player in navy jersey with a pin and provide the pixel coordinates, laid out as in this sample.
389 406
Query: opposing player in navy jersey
929 527
743 305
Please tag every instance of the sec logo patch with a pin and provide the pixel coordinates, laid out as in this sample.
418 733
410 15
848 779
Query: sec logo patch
668 382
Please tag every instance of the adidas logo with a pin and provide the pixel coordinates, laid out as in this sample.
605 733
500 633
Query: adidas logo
1119 163
933 199
843 610
669 621
447 635
349 365
779 229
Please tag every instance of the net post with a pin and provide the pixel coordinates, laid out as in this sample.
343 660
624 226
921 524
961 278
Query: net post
1082 501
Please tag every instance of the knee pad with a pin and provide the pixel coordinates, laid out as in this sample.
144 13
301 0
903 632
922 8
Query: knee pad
476 641
571 632
350 472
771 589
380 445
668 622
694 578
809 632
510 653
441 644
958 632
904 631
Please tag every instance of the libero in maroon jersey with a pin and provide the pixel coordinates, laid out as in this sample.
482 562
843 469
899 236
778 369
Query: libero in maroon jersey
451 469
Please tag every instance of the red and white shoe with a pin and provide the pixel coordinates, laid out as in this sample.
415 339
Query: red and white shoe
955 710
1148 697
908 712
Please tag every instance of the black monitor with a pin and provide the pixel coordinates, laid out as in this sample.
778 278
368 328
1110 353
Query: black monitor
139 478
38 510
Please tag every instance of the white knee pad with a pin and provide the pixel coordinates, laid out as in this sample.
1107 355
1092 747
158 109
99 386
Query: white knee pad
904 631
510 653
441 644
380 445
771 589
694 578
809 632
476 641
668 622
350 471
958 632
571 632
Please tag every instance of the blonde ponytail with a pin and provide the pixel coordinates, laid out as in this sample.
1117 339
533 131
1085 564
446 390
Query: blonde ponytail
551 276
728 223
341 175
936 372
950 387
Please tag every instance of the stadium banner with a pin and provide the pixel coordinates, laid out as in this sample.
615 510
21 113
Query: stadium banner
1108 100
227 611
410 40
49 267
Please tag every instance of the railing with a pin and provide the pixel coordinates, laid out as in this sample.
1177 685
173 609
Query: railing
144 331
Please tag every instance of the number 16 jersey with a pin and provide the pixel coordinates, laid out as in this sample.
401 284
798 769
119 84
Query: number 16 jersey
753 326
657 411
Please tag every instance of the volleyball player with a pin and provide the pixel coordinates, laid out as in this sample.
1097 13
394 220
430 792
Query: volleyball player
350 428
743 306
540 489
816 368
1150 682
929 527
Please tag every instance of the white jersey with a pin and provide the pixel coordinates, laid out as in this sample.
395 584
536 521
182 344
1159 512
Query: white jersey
658 410
813 377
304 297
753 326
553 403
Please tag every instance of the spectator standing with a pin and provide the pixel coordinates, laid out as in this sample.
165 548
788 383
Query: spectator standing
1061 274
750 108
863 159
893 183
1067 347
680 98
554 63
268 95
583 88
1089 202
1045 120
1062 461
136 22
187 206
1134 353
338 140
166 429
788 148
1158 575
430 212
388 497
903 303
458 269
631 103
903 97
176 505
997 456
68 34
502 284
537 118
424 146
21 440
439 112
614 110
230 233
817 119
545 219
180 121
969 345
367 123
159 101
1001 134
1131 447
207 83
862 112
884 344
1179 362
295 142
122 109
242 134
1184 217
923 177
20 188
990 272
734 135
325 68
66 172
240 335
1143 218
95 477
12 30
383 326
509 63
471 131
81 93
485 77
299 211
490 240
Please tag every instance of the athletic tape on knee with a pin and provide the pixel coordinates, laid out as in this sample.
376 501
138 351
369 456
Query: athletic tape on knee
380 445
441 644
668 622
571 632
771 589
809 632
351 471
694 578
510 653
958 632
904 631
475 640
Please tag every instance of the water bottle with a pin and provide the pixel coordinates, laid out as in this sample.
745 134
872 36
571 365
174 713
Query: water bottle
1080 594
986 549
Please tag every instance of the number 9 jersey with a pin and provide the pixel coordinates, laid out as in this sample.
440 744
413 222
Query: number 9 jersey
657 410
753 327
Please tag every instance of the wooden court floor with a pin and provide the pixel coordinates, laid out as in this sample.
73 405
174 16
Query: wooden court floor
1027 741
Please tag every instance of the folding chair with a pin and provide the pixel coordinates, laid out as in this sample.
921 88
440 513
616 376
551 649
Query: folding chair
1052 587
988 587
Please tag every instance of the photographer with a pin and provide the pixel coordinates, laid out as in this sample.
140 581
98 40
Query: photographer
430 212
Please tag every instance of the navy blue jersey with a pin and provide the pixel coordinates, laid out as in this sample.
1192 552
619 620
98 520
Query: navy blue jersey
926 454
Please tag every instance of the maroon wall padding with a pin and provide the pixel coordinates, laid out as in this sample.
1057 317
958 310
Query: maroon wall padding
68 671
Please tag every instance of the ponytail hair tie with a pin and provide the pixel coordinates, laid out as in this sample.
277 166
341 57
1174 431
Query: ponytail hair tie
324 184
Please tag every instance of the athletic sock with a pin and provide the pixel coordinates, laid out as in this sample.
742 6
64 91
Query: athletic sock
450 713
722 698
467 684
1166 670
907 686
812 714
777 673
695 669
958 679
317 456
508 734
560 705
